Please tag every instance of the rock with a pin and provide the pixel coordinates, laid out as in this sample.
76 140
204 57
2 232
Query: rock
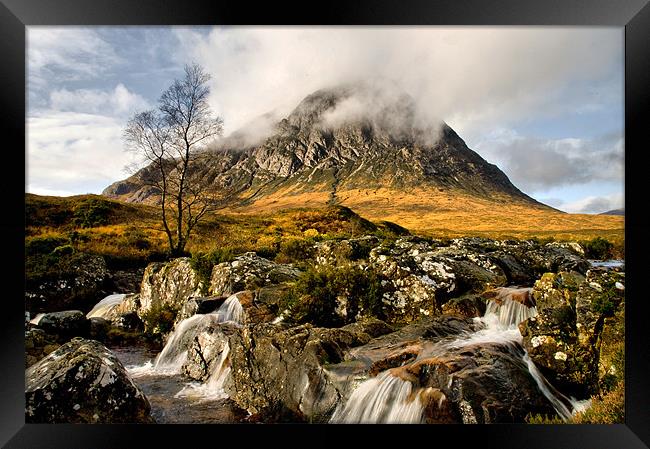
78 288
482 384
199 305
279 368
65 325
83 382
99 328
164 285
129 321
249 272
467 306
563 339
206 348
126 280
333 252
372 326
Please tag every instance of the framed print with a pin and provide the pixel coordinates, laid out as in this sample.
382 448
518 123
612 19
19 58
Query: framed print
414 217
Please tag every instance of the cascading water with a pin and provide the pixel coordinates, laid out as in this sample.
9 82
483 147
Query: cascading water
106 305
383 399
389 399
174 354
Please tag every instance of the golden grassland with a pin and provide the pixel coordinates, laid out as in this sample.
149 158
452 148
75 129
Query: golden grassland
450 214
133 231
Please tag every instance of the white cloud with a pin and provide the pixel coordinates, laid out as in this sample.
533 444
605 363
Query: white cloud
474 78
535 164
118 102
74 152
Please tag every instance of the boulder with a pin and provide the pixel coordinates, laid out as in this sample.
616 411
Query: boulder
65 325
129 321
99 328
83 382
274 367
333 252
249 272
38 344
563 340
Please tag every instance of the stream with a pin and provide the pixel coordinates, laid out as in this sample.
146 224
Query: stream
384 398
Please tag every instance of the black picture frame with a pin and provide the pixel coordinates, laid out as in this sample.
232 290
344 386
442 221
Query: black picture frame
15 15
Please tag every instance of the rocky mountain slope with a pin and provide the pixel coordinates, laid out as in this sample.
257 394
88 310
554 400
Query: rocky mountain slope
353 145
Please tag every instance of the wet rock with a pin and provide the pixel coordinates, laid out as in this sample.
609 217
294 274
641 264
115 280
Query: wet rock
249 272
563 339
99 328
83 382
467 306
487 383
275 367
206 348
199 305
372 326
65 325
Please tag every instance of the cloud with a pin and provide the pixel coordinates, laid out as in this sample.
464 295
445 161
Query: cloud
594 204
71 53
473 78
535 164
118 102
74 152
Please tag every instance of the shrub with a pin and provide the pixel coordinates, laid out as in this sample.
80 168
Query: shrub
608 409
43 245
159 319
314 296
91 213
295 250
202 263
598 248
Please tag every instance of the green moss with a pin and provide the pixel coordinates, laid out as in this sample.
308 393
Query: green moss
159 319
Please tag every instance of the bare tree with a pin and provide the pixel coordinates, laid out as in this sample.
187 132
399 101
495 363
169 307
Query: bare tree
168 139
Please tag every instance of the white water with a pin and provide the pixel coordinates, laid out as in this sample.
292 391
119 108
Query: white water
612 263
106 305
213 388
385 399
174 354
389 399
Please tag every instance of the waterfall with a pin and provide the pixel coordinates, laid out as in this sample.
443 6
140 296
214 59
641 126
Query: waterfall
106 305
390 399
509 312
385 399
174 354
213 388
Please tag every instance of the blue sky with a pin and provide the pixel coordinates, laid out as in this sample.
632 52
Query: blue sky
543 103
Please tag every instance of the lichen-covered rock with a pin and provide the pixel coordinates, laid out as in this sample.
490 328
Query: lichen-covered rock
334 252
564 338
168 284
278 367
80 287
83 382
248 272
418 277
65 325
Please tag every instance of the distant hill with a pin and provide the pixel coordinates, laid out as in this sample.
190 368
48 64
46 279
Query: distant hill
614 212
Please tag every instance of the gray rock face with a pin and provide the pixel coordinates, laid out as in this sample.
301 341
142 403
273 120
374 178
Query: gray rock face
248 272
206 349
199 305
563 339
83 382
81 287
